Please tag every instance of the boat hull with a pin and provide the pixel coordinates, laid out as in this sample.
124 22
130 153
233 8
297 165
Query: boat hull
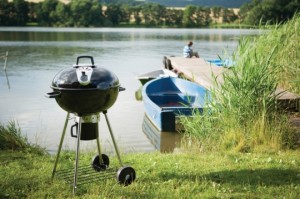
167 98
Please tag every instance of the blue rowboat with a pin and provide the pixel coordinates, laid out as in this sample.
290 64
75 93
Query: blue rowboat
166 98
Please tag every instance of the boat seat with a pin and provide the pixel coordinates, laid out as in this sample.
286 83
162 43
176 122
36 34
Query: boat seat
173 100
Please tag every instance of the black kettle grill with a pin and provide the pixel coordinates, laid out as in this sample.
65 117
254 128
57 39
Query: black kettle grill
85 91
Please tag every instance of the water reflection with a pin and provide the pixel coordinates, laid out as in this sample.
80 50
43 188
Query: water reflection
165 142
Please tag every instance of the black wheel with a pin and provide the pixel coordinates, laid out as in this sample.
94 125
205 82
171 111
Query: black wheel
126 175
96 162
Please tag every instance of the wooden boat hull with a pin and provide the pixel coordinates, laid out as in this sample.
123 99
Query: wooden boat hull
167 98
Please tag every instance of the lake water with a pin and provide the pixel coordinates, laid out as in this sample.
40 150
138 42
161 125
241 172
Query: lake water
36 55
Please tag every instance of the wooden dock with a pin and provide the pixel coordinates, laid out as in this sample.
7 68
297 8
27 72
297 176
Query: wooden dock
197 70
205 74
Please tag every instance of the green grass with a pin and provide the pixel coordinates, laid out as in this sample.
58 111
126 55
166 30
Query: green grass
12 139
182 175
244 114
284 40
188 173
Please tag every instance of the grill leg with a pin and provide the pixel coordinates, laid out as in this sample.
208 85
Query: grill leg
77 157
113 138
60 145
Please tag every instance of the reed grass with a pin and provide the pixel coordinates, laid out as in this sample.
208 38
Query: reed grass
244 114
12 139
286 54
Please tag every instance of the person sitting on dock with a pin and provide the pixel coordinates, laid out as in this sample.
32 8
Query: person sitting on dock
188 51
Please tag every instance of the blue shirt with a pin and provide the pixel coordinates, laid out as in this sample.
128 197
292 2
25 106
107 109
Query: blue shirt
187 52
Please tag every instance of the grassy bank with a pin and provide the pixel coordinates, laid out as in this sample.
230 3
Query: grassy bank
244 114
186 175
26 173
12 139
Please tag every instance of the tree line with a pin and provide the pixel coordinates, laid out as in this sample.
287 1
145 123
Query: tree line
269 11
85 13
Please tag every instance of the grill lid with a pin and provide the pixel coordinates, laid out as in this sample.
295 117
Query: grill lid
85 76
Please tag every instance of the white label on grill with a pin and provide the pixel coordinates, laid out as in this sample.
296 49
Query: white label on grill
84 74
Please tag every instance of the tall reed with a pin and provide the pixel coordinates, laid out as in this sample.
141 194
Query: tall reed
12 139
243 113
287 53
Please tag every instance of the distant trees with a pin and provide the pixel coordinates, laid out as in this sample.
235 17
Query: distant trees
202 16
15 13
173 17
196 15
63 13
269 11
188 16
76 13
21 10
46 12
228 16
135 12
91 13
153 14
84 13
114 14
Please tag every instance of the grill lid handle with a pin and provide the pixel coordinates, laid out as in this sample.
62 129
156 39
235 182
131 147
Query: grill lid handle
85 56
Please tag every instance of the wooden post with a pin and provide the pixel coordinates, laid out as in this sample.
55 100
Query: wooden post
5 60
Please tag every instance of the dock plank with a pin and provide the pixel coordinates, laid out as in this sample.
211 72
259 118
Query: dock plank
198 70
